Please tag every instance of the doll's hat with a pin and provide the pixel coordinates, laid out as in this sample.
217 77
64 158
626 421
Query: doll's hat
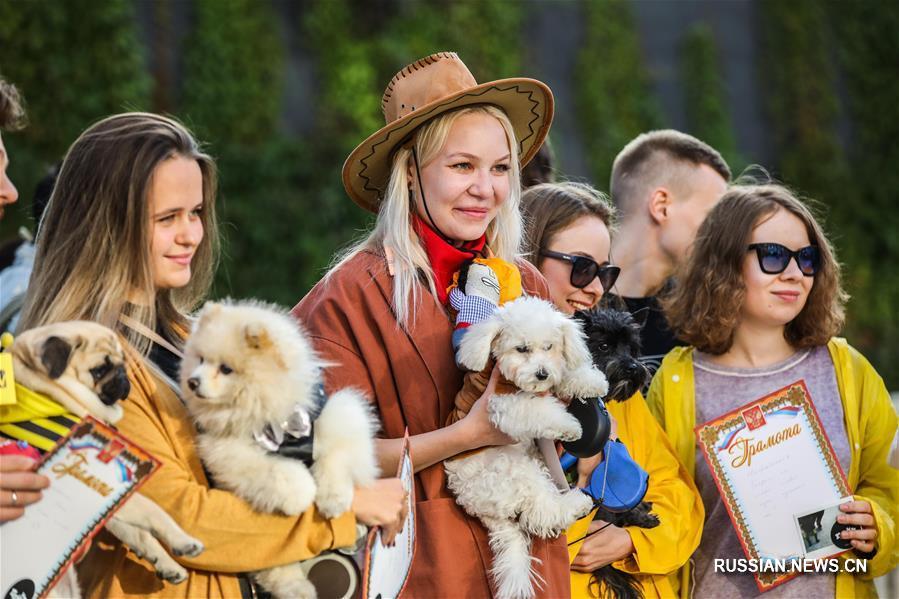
428 88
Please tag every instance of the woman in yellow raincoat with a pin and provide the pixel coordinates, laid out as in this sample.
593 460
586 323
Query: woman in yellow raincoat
760 301
574 219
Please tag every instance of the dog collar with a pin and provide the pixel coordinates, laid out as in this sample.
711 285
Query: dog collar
294 436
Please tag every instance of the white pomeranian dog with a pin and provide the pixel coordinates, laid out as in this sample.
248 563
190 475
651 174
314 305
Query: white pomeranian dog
253 385
540 351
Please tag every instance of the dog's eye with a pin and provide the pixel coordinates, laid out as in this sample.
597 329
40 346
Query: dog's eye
522 349
100 371
547 347
225 369
604 347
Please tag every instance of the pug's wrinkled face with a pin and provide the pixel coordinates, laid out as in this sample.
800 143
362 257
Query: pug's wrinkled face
83 352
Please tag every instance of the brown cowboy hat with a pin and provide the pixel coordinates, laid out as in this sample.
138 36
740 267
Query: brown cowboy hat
428 88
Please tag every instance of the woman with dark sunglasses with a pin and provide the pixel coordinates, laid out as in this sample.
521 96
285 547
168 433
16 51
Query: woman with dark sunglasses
568 239
568 231
760 301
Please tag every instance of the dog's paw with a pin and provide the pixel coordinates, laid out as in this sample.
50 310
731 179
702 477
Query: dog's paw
579 503
299 588
286 581
173 574
192 549
297 502
569 431
334 497
291 490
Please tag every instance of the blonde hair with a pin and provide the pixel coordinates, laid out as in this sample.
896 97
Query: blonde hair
93 243
393 227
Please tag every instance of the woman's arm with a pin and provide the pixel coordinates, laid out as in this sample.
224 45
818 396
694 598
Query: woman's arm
472 432
878 481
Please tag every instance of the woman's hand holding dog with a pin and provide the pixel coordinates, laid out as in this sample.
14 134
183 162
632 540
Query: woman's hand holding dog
19 485
602 548
858 513
382 504
480 432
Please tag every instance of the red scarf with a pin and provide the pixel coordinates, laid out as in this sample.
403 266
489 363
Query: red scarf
445 259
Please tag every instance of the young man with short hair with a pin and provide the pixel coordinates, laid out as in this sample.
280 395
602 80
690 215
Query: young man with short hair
663 184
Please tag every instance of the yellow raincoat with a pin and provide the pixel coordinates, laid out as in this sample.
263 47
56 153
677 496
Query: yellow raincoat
660 551
870 426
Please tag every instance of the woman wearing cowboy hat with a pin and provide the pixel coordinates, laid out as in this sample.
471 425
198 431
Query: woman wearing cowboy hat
443 178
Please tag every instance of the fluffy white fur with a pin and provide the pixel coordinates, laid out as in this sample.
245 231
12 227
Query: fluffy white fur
247 364
139 523
509 488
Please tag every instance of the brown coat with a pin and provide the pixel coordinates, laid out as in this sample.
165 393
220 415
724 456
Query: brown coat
413 380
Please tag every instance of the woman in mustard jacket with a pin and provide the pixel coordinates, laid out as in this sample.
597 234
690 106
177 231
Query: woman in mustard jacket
575 219
134 241
760 301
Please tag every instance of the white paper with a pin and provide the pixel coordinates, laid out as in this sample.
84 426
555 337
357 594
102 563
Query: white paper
781 480
389 567
36 546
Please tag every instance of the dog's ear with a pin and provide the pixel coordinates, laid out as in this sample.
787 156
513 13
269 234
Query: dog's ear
55 355
477 342
574 345
257 336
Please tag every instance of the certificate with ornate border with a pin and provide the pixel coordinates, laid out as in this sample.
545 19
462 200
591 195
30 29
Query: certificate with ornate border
92 471
771 459
387 568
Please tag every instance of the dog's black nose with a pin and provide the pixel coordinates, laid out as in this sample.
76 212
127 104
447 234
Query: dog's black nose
542 375
116 388
633 367
193 383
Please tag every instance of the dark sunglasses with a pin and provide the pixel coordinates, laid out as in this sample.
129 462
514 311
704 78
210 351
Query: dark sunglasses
584 270
774 258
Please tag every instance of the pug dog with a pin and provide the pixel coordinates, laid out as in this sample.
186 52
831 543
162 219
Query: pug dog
81 365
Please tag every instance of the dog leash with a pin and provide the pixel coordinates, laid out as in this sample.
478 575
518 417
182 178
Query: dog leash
141 328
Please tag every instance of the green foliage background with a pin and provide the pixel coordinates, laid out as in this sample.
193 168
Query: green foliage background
827 77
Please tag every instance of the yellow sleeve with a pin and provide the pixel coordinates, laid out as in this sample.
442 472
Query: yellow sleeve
675 499
878 481
237 538
655 397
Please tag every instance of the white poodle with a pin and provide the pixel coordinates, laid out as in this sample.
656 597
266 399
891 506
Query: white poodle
252 382
541 352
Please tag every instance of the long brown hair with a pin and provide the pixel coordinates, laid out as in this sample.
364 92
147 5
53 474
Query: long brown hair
704 308
93 243
551 207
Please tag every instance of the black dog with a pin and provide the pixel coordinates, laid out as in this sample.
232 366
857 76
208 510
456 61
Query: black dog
614 341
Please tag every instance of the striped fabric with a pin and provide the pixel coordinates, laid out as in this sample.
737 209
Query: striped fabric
36 419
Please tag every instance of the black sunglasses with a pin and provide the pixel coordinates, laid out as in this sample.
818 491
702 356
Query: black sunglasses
774 258
584 270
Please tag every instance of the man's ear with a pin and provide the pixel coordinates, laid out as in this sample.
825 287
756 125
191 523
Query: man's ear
659 204
55 355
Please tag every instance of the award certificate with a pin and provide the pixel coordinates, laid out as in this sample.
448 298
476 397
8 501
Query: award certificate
92 471
772 460
387 568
